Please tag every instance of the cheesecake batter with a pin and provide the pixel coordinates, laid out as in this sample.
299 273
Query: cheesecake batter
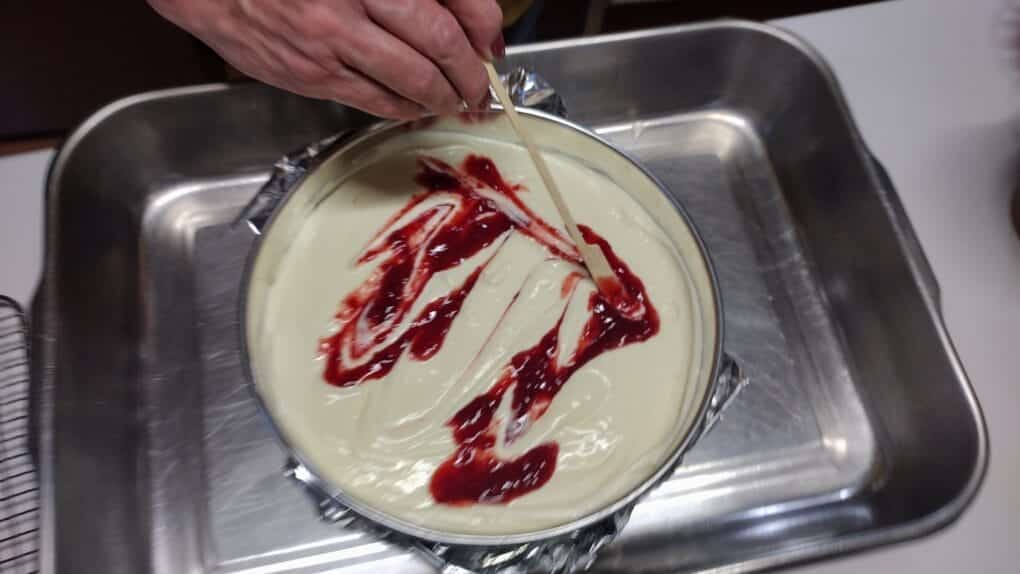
434 347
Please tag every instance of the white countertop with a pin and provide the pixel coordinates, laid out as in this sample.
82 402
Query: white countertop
935 89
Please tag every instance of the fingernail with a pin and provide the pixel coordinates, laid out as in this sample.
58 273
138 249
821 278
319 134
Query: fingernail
499 47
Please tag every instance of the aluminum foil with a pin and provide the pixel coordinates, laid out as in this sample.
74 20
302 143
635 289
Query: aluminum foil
287 173
573 552
529 90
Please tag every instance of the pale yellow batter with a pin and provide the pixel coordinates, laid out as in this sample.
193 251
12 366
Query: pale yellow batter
615 420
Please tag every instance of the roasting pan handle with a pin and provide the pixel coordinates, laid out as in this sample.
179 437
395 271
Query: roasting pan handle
907 235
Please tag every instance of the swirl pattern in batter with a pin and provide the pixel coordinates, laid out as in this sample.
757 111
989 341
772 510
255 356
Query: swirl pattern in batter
473 209
472 379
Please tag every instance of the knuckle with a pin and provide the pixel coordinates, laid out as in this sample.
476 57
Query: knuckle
446 34
321 29
403 9
493 16
342 90
478 90
424 86
483 21
317 21
336 27
394 110
344 76
339 93
386 110
306 72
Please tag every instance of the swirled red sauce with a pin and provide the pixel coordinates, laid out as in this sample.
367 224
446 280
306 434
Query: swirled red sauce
472 208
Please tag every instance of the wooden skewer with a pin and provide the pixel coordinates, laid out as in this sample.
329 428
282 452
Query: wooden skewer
592 256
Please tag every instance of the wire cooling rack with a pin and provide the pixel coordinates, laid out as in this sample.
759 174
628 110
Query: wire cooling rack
19 487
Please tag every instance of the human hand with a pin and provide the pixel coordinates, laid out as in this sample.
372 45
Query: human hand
391 58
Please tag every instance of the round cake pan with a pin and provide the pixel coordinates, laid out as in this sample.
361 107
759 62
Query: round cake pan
296 189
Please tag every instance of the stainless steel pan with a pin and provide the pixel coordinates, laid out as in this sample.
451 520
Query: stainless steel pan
142 416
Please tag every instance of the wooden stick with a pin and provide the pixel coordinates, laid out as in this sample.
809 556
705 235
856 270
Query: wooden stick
592 256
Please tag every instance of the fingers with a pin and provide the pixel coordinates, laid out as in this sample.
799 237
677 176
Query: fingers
483 22
368 96
391 58
379 55
290 67
436 33
341 84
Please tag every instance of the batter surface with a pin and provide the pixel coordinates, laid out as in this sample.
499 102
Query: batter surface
434 347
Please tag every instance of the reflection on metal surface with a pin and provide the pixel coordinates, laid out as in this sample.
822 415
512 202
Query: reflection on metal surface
143 400
730 380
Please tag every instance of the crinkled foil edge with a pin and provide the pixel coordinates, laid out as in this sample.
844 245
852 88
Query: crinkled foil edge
573 552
